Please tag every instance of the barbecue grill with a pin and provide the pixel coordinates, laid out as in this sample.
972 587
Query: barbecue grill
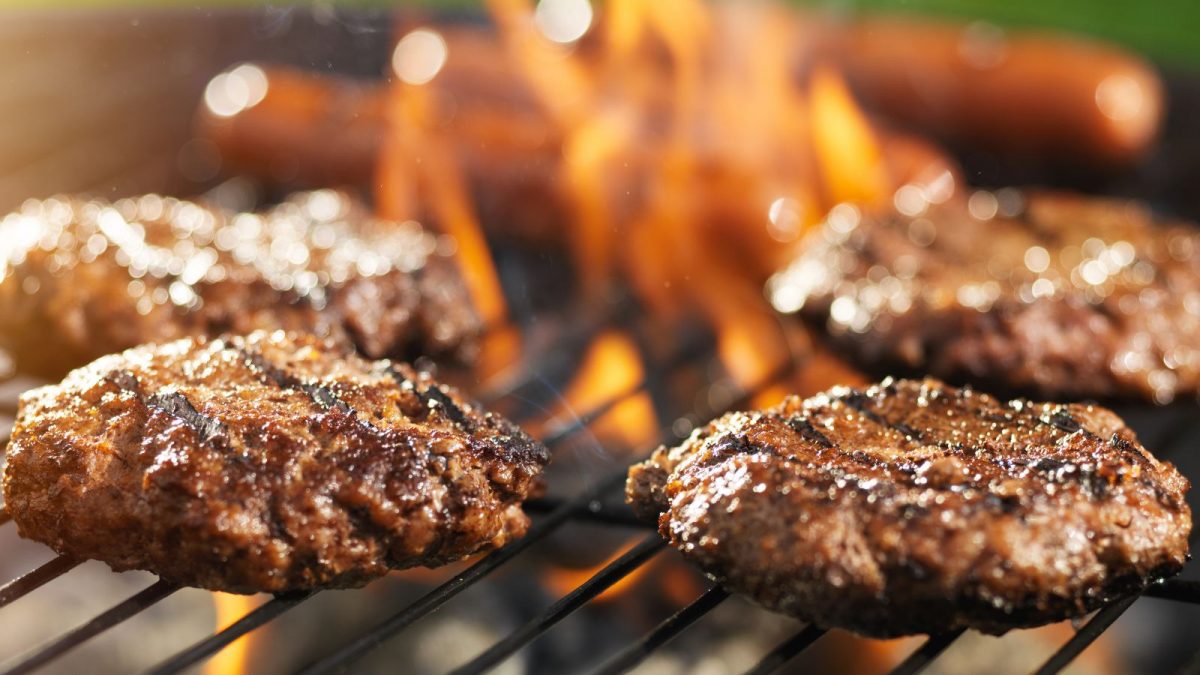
1169 431
533 384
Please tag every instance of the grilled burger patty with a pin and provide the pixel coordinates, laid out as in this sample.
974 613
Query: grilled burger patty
271 462
915 507
1067 296
80 279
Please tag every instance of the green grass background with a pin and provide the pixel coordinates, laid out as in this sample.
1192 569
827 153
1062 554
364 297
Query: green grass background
1166 30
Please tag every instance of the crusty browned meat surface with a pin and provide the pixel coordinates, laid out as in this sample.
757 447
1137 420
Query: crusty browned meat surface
266 463
1068 297
81 279
915 507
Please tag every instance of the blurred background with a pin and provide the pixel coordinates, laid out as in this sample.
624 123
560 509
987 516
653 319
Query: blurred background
75 72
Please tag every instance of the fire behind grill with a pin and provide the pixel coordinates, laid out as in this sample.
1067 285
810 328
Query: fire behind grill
1169 432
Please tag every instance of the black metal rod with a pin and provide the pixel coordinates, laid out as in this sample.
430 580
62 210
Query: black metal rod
787 650
926 653
597 584
114 616
274 608
562 432
1086 636
665 632
687 354
578 328
218 641
434 599
592 512
1180 590
36 578
440 595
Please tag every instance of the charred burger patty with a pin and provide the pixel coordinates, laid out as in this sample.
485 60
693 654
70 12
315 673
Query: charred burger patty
915 507
83 278
270 462
1067 296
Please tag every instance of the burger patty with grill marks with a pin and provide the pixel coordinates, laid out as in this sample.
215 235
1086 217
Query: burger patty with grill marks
270 462
1062 295
83 278
915 507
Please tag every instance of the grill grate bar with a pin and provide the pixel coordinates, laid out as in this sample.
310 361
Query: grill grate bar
1179 590
1086 636
594 511
581 422
926 653
426 604
440 595
114 616
431 601
685 356
578 329
664 632
214 643
597 584
36 578
787 650
278 606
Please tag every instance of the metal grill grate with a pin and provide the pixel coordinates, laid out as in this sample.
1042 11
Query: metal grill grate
1167 437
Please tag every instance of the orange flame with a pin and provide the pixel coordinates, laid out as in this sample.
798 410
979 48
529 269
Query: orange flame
711 167
417 153
233 659
845 144
612 368
1017 651
561 580
685 152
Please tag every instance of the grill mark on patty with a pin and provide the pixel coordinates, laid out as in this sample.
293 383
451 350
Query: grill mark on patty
857 400
1065 422
715 507
172 403
178 405
1062 420
802 426
431 395
320 394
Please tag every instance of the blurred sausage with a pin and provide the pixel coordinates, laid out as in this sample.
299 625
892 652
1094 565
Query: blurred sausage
307 130
912 160
1032 93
